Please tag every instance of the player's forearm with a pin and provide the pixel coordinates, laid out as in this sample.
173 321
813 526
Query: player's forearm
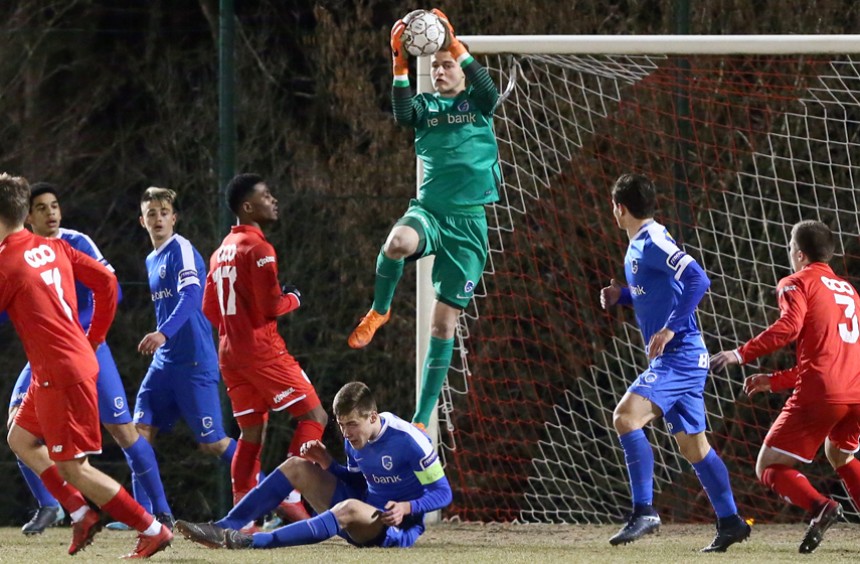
437 495
352 479
782 380
403 103
189 299
781 333
696 284
484 90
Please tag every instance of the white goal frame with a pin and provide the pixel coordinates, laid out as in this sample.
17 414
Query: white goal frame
604 45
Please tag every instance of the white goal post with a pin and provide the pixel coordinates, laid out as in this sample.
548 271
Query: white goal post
757 196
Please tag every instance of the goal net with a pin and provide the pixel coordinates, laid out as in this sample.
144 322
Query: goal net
741 146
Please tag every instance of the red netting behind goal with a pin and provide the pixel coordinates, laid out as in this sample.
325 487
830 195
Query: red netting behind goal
741 148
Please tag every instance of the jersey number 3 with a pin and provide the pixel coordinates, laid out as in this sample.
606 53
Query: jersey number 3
843 293
226 276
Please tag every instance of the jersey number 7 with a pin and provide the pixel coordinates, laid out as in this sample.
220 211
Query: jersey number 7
226 276
52 278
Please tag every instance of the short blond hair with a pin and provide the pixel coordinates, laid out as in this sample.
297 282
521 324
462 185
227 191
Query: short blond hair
156 194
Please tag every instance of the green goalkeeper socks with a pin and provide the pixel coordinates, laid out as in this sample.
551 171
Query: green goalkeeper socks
388 273
435 369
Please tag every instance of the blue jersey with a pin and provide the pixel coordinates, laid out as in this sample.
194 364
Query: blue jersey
654 266
400 464
86 245
175 271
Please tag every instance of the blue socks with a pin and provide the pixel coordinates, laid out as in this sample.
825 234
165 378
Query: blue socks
227 456
141 460
40 492
259 501
640 466
714 476
316 529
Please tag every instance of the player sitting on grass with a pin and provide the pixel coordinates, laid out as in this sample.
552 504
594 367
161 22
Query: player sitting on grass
392 477
664 286
818 309
454 139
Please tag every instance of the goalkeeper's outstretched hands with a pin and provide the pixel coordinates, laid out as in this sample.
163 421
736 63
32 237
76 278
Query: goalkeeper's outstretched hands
399 62
455 46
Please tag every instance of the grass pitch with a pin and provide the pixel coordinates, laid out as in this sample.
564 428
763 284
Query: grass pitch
468 543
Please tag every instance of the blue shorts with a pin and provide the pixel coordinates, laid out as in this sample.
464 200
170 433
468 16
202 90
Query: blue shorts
402 536
113 405
675 382
168 393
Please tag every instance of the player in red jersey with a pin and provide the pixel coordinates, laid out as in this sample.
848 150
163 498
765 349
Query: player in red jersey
243 299
820 311
57 426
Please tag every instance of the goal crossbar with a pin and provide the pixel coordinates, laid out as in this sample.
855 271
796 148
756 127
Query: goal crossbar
664 44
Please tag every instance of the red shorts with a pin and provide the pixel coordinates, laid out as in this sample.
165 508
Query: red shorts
277 386
66 419
800 430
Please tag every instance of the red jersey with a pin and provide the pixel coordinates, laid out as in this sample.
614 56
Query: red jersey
820 311
243 299
37 289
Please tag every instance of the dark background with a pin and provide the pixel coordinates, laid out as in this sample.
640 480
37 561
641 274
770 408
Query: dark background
106 98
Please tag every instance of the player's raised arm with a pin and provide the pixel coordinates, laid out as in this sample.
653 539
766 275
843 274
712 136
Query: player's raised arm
408 109
95 276
485 93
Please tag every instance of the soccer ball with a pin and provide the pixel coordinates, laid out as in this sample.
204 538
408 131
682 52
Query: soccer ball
424 34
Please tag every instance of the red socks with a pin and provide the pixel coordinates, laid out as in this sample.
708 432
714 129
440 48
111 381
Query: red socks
850 474
68 496
792 486
245 468
125 509
306 430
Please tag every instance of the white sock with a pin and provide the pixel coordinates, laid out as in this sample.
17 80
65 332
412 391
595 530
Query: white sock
153 529
79 513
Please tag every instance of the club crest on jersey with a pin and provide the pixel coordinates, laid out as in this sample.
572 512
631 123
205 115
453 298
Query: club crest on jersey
118 403
634 266
387 462
162 271
40 256
463 106
207 422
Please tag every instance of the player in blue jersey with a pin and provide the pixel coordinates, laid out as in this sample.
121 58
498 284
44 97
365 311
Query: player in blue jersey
182 380
392 477
664 286
44 219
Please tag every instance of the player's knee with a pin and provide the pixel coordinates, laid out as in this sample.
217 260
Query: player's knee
836 457
293 467
622 422
346 511
398 246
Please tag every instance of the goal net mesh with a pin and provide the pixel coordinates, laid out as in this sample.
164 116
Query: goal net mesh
741 147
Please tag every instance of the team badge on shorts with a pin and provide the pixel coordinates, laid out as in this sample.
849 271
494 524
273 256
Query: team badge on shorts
118 403
469 287
649 377
206 422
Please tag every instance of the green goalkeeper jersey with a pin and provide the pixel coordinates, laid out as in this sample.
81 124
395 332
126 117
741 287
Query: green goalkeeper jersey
455 141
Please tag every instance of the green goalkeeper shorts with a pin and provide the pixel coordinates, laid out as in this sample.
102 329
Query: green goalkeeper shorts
459 243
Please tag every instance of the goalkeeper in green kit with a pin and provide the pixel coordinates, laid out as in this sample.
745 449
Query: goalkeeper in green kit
455 141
